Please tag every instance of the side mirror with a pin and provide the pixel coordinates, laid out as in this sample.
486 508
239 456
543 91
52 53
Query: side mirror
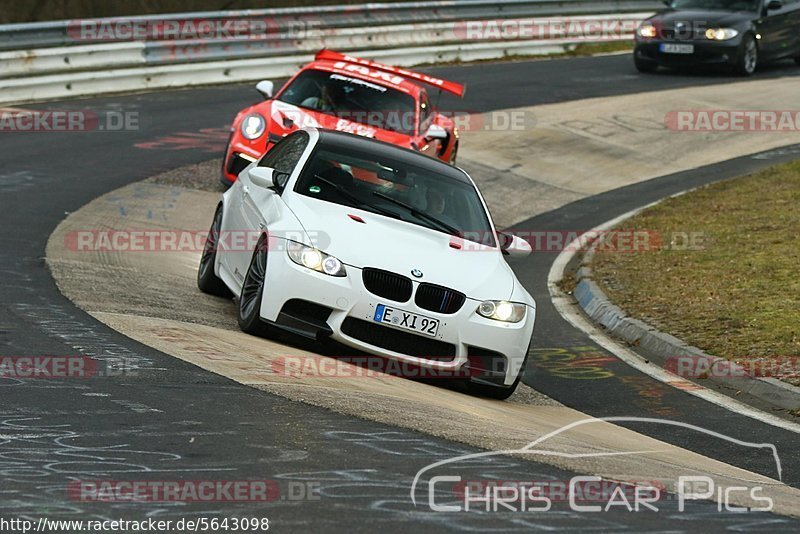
514 246
261 176
436 132
265 87
774 5
667 3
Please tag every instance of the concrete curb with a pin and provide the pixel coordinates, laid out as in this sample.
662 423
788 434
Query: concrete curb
670 352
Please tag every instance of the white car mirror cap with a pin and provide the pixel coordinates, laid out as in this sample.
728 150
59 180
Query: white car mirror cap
516 247
261 176
265 87
436 132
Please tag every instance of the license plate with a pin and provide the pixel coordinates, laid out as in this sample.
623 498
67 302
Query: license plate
406 320
669 48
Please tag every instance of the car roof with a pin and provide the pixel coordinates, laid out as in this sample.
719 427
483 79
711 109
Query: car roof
345 142
384 79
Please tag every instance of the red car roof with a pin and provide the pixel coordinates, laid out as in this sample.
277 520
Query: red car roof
381 74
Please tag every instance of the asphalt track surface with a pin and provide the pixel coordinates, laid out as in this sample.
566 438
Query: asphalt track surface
170 420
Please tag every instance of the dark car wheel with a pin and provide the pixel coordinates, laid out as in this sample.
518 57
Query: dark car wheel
491 392
207 281
644 66
453 154
498 392
797 60
748 56
249 309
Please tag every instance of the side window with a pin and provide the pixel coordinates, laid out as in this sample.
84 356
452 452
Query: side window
284 156
425 112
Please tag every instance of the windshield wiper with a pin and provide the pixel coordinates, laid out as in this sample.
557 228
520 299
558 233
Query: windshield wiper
354 199
421 214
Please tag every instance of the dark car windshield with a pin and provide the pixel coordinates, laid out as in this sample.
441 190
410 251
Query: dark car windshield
397 189
353 99
722 5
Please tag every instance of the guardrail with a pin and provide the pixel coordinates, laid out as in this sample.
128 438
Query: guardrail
91 56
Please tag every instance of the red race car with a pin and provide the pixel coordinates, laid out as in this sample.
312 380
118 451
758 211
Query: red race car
340 92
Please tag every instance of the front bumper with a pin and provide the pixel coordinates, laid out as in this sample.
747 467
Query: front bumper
493 350
706 52
240 153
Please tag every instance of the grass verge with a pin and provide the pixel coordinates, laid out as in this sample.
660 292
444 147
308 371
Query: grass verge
736 293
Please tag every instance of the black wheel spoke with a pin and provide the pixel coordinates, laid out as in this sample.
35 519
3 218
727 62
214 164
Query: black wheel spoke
211 243
253 283
207 280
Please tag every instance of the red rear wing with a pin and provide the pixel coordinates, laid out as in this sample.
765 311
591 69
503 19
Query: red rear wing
451 87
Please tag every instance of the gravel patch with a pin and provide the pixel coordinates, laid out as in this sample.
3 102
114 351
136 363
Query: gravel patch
200 176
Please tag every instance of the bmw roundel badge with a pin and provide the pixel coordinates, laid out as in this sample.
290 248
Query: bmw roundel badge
416 273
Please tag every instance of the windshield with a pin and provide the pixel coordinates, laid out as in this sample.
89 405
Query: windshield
395 189
725 5
352 99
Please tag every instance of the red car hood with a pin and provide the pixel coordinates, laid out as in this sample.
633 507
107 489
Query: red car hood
285 118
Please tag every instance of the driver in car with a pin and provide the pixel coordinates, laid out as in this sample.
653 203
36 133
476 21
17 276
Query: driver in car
436 202
447 207
330 98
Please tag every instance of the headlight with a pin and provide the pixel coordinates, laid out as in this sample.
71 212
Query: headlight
501 310
253 126
647 30
721 34
315 259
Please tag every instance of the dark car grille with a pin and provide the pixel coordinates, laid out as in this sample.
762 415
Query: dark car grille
397 341
387 285
439 299
306 309
237 163
683 34
486 364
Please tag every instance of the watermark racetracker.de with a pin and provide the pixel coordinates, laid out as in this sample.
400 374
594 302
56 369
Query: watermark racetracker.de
366 122
749 366
192 29
53 367
64 120
726 120
183 240
546 28
219 491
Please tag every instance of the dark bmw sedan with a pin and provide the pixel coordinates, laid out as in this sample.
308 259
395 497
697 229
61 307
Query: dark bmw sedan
737 34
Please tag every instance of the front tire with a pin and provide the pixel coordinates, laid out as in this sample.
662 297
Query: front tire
207 281
249 309
747 61
797 60
645 67
454 154
498 392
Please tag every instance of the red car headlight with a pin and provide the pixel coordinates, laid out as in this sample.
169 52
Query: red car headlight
253 126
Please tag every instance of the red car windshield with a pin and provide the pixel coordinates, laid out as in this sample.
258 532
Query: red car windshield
352 99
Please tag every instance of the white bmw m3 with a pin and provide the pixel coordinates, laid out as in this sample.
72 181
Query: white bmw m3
377 247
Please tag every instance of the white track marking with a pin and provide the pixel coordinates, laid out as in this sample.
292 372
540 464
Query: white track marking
569 311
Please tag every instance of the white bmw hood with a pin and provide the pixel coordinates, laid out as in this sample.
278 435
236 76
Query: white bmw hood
389 244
